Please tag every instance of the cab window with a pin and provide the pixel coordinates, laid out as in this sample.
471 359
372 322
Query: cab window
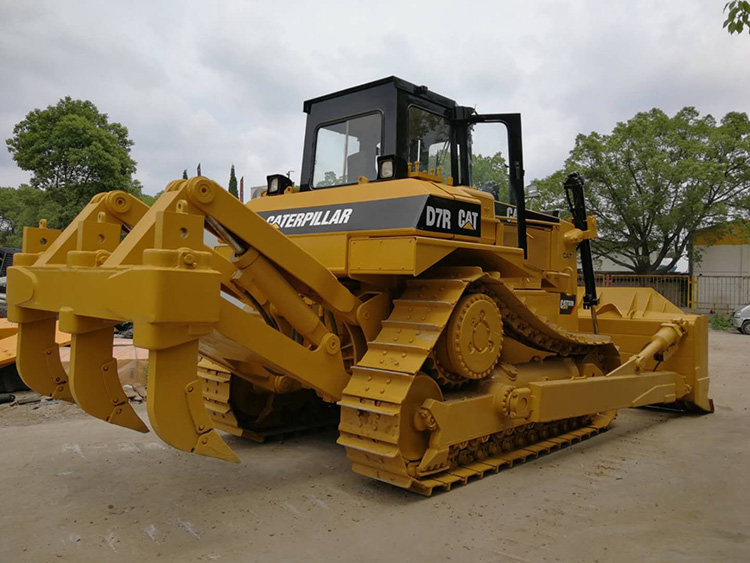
430 141
346 150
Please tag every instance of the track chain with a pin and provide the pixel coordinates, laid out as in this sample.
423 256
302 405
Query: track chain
216 400
518 445
374 401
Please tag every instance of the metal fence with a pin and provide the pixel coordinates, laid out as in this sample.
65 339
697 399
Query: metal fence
675 287
697 293
720 293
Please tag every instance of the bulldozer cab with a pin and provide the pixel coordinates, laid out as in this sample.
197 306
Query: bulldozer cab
392 129
390 120
350 131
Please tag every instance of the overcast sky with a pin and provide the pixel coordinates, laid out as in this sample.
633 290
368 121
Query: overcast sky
223 82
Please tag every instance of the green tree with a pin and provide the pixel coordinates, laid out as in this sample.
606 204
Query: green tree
738 16
20 208
73 152
329 179
490 173
655 179
150 199
233 183
551 194
184 174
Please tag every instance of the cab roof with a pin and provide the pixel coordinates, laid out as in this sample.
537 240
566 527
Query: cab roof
399 83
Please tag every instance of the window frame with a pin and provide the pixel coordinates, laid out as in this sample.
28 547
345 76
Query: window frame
451 135
334 122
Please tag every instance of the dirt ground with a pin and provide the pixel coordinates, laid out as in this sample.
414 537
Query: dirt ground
657 487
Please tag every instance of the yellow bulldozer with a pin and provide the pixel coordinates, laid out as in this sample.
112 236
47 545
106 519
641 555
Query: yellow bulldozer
443 329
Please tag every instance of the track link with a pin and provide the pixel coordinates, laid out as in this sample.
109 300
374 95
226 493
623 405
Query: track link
216 391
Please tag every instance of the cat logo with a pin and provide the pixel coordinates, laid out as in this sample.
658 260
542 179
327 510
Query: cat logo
468 219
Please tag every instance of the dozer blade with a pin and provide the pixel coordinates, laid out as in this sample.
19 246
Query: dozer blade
175 403
38 358
94 381
633 316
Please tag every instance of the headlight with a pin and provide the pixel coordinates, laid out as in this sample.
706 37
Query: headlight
277 184
386 169
390 166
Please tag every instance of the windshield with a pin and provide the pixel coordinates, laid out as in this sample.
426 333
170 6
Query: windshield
346 150
430 141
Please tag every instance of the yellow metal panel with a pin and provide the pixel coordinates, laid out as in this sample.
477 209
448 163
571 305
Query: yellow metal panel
95 235
359 192
149 295
398 256
38 239
175 230
382 256
538 241
330 249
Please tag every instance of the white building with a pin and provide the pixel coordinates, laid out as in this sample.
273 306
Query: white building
723 250
722 266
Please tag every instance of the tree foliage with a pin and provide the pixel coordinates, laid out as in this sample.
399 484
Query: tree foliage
655 179
150 199
490 174
738 16
329 179
73 152
233 183
22 207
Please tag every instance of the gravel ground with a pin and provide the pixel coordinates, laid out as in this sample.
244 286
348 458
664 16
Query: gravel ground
657 487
